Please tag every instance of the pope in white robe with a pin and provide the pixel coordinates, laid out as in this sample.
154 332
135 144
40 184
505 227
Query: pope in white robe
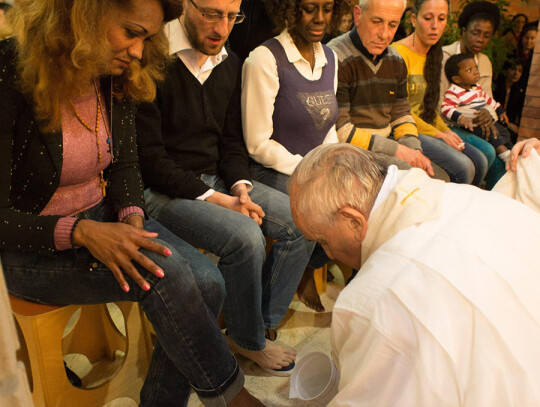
445 309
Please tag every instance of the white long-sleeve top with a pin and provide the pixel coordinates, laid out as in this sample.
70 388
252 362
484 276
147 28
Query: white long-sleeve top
445 309
260 86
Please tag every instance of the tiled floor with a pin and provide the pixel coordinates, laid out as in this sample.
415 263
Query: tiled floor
303 329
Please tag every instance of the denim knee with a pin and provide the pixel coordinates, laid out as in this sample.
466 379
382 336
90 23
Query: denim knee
245 239
213 293
459 167
464 172
481 144
208 281
288 230
490 154
480 163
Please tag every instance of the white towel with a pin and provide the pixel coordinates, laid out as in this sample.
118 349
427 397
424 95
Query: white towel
523 185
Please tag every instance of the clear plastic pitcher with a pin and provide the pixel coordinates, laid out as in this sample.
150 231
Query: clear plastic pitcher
314 379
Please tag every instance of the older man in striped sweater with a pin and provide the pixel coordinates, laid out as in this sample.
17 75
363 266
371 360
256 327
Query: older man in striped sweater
374 112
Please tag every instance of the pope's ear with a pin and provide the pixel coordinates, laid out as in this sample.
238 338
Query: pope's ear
356 221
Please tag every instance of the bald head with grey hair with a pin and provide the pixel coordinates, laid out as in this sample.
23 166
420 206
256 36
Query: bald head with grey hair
334 176
364 4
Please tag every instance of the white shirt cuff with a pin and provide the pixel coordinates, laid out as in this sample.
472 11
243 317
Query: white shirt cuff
243 181
207 194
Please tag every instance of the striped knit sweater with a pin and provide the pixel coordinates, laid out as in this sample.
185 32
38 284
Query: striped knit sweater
372 97
458 101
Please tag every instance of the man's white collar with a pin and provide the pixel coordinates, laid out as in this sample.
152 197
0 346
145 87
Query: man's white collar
390 181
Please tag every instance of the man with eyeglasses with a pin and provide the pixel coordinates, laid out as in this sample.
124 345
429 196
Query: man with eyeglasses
196 170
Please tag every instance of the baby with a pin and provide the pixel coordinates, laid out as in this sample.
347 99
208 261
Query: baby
465 98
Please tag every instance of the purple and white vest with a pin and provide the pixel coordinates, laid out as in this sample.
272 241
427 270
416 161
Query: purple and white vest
304 110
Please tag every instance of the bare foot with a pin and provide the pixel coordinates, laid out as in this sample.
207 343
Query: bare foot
307 291
274 356
244 399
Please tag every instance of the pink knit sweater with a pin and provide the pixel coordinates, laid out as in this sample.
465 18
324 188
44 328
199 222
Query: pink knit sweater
79 181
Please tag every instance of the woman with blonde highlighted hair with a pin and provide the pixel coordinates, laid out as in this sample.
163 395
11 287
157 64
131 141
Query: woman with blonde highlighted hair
63 47
72 211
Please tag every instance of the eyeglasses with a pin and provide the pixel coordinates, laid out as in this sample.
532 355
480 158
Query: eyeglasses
217 17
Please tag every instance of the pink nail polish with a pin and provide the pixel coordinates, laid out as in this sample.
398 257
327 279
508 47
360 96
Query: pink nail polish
167 252
146 286
159 273
125 288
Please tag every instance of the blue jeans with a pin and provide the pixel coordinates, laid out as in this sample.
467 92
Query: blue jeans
278 180
467 167
259 287
503 138
270 177
190 351
496 168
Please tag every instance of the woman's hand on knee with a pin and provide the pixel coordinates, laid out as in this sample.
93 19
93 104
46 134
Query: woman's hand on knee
116 245
453 140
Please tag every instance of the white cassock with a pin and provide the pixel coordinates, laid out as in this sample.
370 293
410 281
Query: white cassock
445 310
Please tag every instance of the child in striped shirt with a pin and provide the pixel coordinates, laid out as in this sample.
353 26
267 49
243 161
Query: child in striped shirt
465 98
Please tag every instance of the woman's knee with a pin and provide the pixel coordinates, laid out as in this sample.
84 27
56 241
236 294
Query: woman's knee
463 169
481 164
457 165
483 146
213 293
468 171
488 151
490 155
185 274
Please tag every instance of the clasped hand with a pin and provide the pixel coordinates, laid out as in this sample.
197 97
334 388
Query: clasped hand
239 201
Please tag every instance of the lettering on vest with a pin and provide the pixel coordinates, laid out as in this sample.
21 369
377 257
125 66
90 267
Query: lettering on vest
318 105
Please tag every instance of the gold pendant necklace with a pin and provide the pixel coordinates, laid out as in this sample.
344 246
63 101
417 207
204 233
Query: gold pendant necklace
108 129
102 182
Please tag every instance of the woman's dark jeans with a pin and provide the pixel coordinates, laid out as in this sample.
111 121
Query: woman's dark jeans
190 352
